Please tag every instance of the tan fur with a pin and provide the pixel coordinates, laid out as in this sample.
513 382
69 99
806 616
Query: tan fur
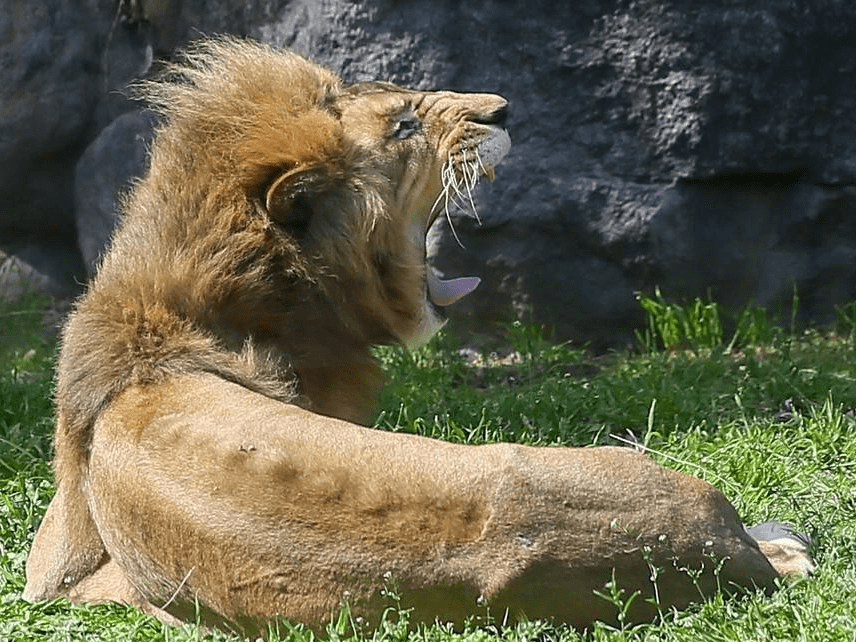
207 456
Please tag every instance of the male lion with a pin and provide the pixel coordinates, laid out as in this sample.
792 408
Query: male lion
207 456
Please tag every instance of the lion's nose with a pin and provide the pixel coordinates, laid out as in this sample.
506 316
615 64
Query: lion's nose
500 115
497 117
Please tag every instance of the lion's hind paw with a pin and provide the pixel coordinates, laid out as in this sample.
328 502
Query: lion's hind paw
784 547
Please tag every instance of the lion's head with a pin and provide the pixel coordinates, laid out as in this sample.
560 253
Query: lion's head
428 149
286 209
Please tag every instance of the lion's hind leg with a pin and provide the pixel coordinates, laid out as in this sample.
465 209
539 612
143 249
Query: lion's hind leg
68 560
784 547
111 584
67 547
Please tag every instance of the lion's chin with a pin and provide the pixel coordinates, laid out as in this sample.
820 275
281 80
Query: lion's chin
439 294
431 321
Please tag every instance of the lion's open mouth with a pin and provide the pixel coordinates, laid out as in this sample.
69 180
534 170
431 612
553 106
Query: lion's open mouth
460 176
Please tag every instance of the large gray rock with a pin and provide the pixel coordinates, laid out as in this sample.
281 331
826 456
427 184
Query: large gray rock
701 147
704 147
50 60
103 174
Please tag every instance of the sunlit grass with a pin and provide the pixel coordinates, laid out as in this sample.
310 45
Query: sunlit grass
767 417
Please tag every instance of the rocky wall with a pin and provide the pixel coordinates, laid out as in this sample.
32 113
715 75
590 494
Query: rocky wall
703 147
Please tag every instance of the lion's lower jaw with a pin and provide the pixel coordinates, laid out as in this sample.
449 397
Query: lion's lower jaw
438 293
430 323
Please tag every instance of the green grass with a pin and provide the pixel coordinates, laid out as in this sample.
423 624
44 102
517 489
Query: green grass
764 413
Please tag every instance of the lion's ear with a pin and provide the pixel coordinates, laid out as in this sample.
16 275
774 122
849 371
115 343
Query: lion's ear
287 199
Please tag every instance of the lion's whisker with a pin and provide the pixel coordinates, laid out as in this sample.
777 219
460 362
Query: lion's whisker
437 200
457 192
469 180
487 171
452 227
457 182
449 180
484 169
434 206
445 183
470 185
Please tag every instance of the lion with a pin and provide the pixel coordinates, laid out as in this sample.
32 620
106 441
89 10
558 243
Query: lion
214 380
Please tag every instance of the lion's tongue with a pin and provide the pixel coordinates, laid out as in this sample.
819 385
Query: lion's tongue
445 293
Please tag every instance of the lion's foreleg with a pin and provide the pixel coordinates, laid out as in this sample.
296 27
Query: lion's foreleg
257 510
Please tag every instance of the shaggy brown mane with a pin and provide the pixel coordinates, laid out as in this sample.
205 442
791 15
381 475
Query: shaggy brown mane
231 120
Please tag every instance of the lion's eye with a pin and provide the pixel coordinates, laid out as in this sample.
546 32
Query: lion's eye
405 127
